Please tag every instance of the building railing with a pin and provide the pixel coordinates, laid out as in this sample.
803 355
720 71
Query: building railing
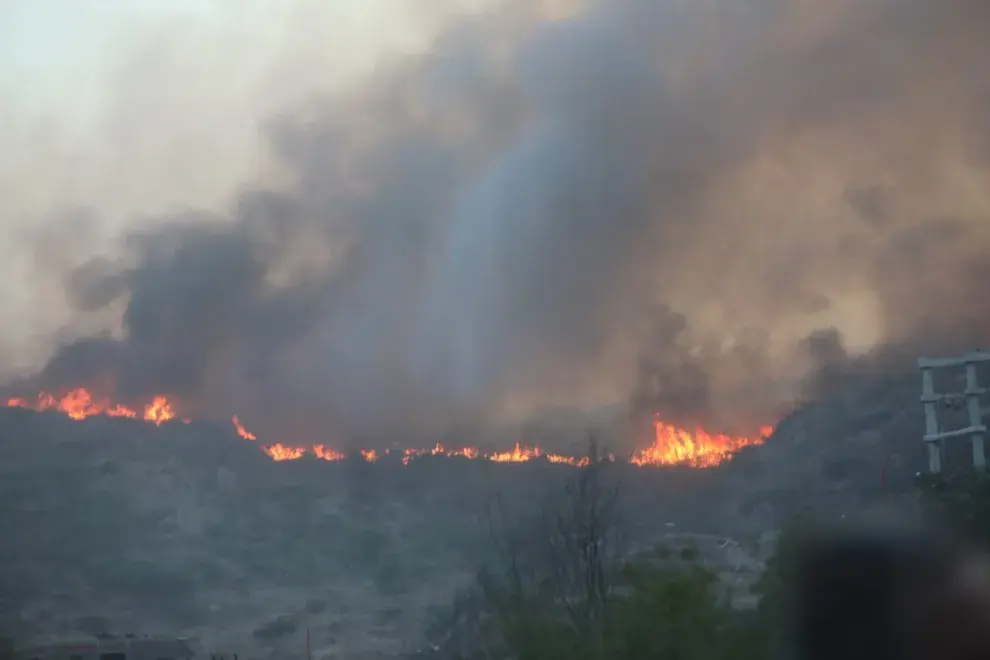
970 397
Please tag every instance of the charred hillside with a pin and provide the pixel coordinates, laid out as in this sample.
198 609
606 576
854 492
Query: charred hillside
238 548
125 525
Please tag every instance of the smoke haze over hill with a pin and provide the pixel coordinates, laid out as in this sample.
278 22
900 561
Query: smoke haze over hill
689 206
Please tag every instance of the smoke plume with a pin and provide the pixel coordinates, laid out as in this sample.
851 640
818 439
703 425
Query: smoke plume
688 206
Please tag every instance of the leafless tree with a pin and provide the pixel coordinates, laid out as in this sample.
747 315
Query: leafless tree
554 566
582 546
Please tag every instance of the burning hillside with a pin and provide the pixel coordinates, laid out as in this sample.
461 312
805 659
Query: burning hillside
671 445
80 404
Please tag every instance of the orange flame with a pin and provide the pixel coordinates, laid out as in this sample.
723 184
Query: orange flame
676 446
576 461
159 411
80 404
328 454
519 454
438 450
466 452
671 445
241 431
280 452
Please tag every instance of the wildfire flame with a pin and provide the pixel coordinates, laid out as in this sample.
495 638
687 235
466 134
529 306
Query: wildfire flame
671 445
79 404
328 454
280 452
698 448
241 431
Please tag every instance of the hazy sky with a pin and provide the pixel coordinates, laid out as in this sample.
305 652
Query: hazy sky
131 107
449 209
71 73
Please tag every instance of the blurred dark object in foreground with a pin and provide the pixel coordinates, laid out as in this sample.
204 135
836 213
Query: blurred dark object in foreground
888 593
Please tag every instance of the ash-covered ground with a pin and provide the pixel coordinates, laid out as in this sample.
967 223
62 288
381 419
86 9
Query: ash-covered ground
118 525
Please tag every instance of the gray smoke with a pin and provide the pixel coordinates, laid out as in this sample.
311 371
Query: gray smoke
690 206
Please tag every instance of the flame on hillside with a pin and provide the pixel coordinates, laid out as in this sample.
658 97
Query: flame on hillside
243 432
671 445
698 448
79 404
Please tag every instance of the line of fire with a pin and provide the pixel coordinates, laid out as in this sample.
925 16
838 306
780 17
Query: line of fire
671 445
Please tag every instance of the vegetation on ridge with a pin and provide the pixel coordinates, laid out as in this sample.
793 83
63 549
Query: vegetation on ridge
563 586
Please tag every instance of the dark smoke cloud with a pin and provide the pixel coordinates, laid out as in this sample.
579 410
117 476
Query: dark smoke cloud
689 207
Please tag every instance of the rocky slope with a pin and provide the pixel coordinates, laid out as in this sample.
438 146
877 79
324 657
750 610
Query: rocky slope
123 526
